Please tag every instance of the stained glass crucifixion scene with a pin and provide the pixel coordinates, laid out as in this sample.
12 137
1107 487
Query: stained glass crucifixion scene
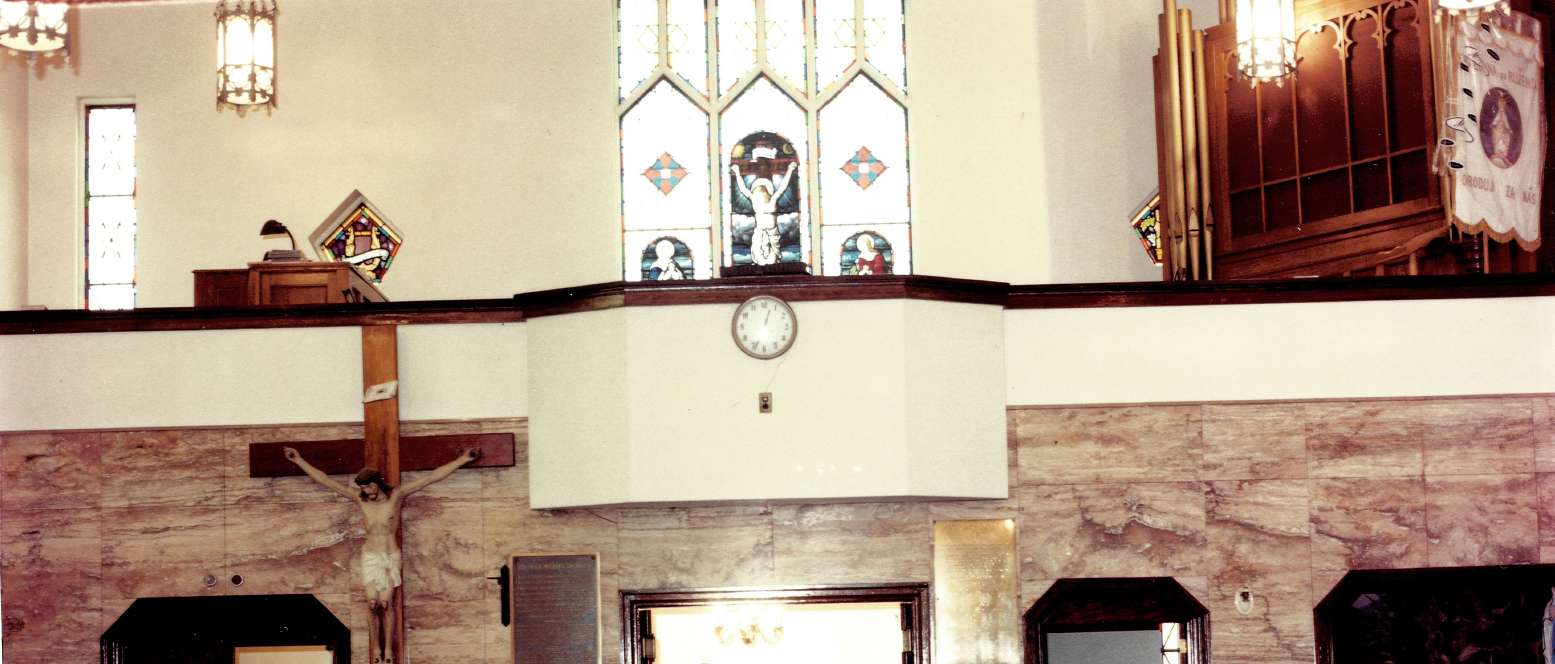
758 132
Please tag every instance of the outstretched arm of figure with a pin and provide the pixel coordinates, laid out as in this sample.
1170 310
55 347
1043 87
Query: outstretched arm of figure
317 475
782 184
438 474
739 181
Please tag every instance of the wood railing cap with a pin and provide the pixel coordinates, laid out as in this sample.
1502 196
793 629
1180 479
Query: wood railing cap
793 288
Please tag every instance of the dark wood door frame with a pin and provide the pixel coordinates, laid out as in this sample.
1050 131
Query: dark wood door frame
1111 605
636 603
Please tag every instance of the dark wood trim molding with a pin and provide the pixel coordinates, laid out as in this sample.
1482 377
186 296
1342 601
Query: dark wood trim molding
1280 291
794 289
634 602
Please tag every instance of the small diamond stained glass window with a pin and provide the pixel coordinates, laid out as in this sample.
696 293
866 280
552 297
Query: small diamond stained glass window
864 168
110 207
665 174
1147 224
360 235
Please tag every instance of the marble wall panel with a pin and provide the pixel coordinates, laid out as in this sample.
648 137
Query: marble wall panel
1478 436
1123 444
242 489
1545 495
1098 530
290 548
165 467
1254 441
854 543
51 561
1279 628
446 632
1368 523
50 471
353 615
162 551
1481 520
696 547
444 555
1364 439
1544 433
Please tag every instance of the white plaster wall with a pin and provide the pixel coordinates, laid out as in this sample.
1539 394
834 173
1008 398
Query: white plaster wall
1098 132
495 120
955 379
180 379
253 377
463 371
13 183
484 129
577 395
1281 351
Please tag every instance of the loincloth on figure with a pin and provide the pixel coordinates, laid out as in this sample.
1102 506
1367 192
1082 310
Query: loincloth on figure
380 571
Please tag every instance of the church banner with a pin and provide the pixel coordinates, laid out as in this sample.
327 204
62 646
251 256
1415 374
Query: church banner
1494 135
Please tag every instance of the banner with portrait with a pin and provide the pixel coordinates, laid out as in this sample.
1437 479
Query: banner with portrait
1494 136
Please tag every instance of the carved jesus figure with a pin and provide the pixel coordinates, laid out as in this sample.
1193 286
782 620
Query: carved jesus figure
380 505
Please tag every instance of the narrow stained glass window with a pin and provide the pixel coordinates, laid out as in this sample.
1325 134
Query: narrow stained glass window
1147 225
110 207
725 160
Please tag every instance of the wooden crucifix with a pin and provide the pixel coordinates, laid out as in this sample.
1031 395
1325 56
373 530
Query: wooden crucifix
380 452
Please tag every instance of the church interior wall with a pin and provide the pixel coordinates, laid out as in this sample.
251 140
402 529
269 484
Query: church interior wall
1280 498
497 155
13 183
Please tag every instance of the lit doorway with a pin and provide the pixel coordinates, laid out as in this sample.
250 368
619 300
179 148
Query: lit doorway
877 624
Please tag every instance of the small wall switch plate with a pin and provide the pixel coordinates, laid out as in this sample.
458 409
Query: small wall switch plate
764 402
381 391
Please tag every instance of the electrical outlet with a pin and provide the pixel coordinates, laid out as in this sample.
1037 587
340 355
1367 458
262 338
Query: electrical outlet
764 402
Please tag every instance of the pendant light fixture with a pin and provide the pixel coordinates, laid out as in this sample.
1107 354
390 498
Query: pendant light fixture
1266 40
1470 6
30 29
245 55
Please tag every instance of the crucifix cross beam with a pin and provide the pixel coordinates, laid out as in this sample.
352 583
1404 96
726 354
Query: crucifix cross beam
383 449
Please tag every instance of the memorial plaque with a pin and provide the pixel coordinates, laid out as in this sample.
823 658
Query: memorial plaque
556 609
976 581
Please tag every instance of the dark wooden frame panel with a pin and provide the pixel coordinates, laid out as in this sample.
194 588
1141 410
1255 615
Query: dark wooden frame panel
1357 582
916 594
1109 605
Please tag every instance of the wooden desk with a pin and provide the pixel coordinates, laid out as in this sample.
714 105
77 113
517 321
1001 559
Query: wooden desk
284 284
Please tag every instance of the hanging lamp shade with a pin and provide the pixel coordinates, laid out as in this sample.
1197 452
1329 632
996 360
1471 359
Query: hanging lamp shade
1470 6
245 53
1266 40
31 29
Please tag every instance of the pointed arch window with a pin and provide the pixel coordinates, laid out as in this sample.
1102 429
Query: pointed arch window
756 132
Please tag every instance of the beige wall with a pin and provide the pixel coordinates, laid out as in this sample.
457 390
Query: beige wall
1281 498
13 183
1031 136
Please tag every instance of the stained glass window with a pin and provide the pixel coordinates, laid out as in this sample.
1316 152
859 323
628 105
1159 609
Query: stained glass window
751 131
110 207
1147 225
360 235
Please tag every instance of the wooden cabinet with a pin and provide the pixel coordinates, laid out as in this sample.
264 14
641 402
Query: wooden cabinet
283 284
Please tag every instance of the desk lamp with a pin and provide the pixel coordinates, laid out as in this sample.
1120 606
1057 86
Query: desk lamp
273 228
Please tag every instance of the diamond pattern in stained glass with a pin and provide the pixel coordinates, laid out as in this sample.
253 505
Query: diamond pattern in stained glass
665 174
864 168
363 240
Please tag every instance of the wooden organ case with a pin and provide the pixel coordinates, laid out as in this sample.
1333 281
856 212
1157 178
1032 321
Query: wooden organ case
1329 173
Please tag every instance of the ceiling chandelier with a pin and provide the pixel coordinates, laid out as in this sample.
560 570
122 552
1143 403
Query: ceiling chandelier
245 54
1266 40
749 623
30 29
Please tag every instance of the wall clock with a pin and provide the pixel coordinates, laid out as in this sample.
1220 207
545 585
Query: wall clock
764 327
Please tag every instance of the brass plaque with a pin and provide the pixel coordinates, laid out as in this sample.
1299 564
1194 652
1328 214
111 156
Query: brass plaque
976 581
556 609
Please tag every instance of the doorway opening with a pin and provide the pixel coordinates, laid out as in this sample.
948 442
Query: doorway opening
865 624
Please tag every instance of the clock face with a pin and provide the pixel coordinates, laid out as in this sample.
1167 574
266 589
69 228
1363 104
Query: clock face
764 327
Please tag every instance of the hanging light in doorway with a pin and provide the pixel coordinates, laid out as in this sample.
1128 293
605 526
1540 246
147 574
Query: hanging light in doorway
748 623
29 28
245 55
1265 40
